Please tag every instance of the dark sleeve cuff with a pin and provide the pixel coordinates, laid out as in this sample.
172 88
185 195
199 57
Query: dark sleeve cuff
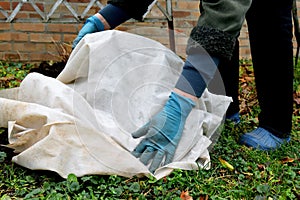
191 81
114 15
134 8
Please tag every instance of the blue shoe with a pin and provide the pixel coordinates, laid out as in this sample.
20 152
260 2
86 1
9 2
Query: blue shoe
262 139
235 118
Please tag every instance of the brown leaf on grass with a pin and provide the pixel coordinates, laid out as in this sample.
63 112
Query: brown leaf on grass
7 78
204 197
261 167
185 195
4 81
249 79
296 95
287 160
297 98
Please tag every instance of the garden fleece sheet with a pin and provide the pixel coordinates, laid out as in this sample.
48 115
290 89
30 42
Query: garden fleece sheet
81 122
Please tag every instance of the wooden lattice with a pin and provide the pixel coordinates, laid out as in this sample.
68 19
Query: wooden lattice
47 16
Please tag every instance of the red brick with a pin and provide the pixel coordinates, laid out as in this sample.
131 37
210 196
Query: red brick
195 15
25 57
50 47
62 28
92 11
183 31
245 53
19 36
34 27
28 6
56 49
5 26
62 9
2 56
5 36
182 39
5 5
5 46
68 38
67 16
42 37
21 15
244 42
188 5
29 47
79 1
181 14
34 15
11 56
44 57
185 23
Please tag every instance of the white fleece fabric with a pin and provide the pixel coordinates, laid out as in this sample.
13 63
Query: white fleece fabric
81 122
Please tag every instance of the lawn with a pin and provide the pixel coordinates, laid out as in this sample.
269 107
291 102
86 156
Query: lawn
246 173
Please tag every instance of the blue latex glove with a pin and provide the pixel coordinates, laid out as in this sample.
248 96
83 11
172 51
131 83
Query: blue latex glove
93 24
163 132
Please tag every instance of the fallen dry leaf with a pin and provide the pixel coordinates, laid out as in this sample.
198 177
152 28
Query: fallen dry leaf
261 167
203 197
287 160
185 195
297 100
247 78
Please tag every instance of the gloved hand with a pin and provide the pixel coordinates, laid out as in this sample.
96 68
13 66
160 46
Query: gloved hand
163 132
93 24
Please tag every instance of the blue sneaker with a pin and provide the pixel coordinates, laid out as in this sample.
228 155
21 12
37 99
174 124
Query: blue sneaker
235 118
262 139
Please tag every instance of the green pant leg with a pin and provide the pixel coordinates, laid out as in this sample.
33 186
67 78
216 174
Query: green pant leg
218 26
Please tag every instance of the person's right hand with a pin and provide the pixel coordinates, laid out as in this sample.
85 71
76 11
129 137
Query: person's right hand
93 24
163 132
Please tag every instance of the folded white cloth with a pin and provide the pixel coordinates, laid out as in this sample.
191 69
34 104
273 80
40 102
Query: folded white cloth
82 121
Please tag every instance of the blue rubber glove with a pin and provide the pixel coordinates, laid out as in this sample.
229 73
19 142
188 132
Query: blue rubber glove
93 24
163 132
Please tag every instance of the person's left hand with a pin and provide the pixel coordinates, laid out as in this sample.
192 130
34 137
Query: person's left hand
163 132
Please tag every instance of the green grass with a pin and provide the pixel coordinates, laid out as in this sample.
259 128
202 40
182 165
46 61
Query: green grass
256 174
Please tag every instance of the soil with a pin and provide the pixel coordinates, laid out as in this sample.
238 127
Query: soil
49 70
9 152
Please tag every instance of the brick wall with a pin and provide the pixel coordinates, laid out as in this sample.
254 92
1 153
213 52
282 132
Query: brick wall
28 37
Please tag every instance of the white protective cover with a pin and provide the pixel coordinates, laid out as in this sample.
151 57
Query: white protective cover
82 121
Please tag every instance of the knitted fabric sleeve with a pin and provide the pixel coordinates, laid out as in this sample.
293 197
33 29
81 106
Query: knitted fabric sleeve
218 27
